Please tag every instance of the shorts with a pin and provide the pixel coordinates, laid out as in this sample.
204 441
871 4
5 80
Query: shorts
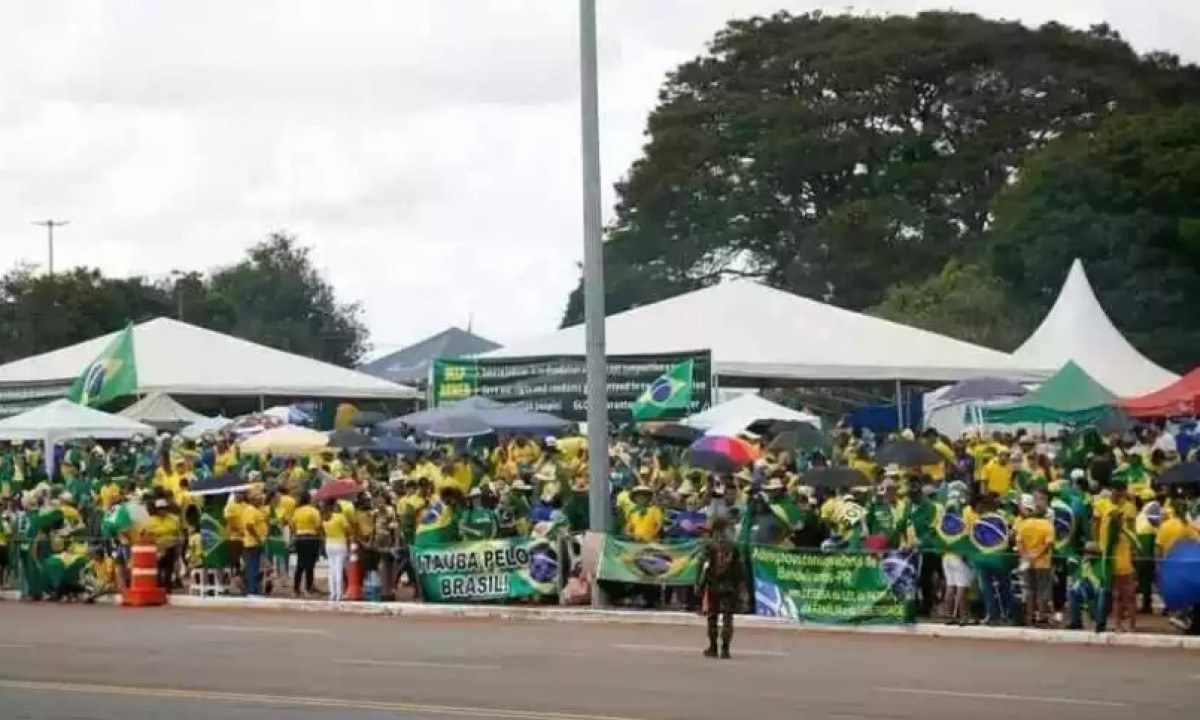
958 572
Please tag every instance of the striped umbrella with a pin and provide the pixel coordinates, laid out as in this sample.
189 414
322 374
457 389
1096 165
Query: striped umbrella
721 454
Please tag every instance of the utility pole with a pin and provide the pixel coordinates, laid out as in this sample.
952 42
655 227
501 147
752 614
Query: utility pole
50 225
593 282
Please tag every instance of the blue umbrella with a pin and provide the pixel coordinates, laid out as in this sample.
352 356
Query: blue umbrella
454 428
392 445
1179 576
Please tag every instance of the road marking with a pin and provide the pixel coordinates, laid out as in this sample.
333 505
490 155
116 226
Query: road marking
260 629
692 650
999 696
415 663
12 646
308 702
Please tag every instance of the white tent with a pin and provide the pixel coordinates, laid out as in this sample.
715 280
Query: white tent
1077 328
731 418
206 425
162 411
181 359
64 420
757 332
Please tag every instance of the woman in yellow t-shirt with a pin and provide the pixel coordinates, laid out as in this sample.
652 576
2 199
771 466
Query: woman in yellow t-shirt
337 531
306 533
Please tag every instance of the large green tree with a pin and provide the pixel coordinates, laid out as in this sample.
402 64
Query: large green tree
1125 200
835 156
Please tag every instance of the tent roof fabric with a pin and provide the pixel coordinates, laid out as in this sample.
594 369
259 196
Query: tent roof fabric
1181 397
736 415
1078 329
982 389
63 420
178 358
1071 397
162 411
757 332
411 364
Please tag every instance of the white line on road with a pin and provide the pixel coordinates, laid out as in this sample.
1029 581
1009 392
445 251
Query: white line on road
692 650
259 629
339 704
13 646
1000 696
415 664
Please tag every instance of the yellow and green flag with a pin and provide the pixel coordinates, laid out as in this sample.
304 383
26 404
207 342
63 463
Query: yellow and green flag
110 376
670 393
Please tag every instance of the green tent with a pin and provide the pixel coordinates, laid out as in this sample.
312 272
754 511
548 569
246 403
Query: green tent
1070 397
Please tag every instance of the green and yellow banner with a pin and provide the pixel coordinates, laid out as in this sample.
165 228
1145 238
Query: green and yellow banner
650 563
488 570
836 588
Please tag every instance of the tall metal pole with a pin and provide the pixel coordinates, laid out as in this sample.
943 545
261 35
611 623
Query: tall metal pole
50 225
593 281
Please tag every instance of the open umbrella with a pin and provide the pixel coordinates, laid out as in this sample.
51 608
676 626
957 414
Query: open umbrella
336 490
392 445
835 478
459 427
1183 474
907 453
218 484
1178 579
802 437
286 440
721 454
368 418
671 433
347 438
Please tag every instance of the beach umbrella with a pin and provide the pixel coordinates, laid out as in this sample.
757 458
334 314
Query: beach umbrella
459 427
392 445
336 490
907 453
1179 581
721 454
347 438
1183 474
835 478
800 438
671 433
286 440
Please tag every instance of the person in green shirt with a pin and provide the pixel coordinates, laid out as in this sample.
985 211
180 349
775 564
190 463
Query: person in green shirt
477 522
1090 588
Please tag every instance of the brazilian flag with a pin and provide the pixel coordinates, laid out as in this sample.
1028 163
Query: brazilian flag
990 541
436 526
110 376
671 394
950 531
214 539
1064 528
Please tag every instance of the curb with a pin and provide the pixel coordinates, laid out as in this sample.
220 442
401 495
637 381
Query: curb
639 617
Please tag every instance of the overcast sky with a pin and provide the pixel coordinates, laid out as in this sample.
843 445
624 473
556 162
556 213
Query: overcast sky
427 151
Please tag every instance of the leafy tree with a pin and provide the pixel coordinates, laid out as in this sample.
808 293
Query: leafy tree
837 155
1127 202
963 301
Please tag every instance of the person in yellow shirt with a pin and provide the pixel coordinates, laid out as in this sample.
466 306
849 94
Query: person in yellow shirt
254 536
233 528
1035 544
166 530
862 462
226 457
997 475
305 522
1173 529
1115 519
644 521
337 549
103 571
109 494
523 451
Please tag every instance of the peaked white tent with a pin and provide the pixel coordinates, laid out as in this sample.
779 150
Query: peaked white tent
181 359
734 416
64 420
757 332
162 411
1077 328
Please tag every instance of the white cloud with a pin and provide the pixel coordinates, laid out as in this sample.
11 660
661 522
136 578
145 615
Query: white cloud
428 151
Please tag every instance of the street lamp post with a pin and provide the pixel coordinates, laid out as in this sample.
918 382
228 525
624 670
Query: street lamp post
50 225
593 282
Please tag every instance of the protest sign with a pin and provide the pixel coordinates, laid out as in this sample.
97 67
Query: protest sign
488 570
557 384
837 588
650 563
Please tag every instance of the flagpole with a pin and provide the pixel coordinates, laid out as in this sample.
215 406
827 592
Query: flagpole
593 282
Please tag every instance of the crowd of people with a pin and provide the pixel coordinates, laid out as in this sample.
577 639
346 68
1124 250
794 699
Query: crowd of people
1078 520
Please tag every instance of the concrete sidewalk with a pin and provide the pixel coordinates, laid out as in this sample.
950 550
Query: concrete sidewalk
533 613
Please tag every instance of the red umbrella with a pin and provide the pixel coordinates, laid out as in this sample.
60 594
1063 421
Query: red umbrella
337 489
721 454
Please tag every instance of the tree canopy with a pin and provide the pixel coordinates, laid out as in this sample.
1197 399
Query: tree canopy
274 297
837 156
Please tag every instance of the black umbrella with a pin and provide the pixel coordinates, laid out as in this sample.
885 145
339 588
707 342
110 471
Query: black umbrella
802 437
368 418
907 453
457 427
393 445
213 485
671 433
836 478
347 438
778 427
1187 473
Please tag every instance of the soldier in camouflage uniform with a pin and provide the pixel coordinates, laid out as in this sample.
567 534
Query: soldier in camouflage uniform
720 585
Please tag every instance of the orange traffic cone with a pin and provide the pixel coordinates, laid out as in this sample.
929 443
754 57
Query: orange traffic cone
143 588
354 574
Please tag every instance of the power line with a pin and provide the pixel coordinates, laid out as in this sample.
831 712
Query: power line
50 225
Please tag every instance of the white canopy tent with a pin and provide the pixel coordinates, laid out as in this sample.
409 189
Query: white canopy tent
162 411
181 359
61 420
759 333
1077 328
206 425
734 416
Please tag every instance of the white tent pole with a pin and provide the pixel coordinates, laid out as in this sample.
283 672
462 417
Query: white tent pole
899 407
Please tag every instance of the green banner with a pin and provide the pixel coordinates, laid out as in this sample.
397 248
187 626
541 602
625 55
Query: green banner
488 570
836 588
650 563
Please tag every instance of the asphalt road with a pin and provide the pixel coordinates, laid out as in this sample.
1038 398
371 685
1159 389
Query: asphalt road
105 663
